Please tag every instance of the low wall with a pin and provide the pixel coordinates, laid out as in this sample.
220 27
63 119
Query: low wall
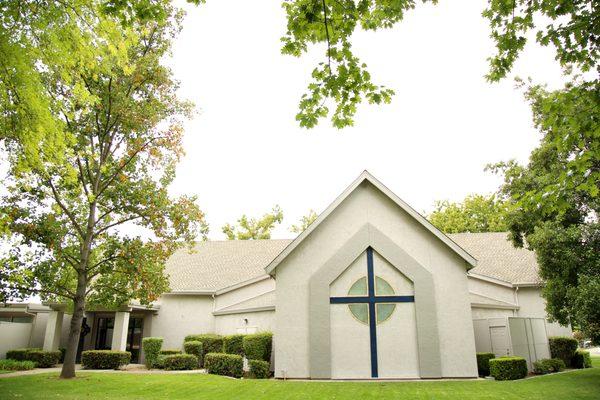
13 335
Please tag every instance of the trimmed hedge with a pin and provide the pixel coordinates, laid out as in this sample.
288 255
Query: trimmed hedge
195 348
151 347
562 347
233 344
41 358
210 343
179 362
548 366
224 364
258 369
44 359
508 368
258 346
104 359
581 359
169 352
20 354
483 363
14 365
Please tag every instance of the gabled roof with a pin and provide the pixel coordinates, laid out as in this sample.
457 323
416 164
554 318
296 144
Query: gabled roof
216 265
499 259
366 176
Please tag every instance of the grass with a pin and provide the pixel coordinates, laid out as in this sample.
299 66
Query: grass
581 384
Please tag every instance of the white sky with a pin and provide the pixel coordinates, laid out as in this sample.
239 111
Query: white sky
246 153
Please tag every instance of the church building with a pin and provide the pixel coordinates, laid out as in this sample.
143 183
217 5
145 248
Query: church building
369 290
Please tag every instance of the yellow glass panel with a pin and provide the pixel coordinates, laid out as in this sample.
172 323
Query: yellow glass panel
359 288
360 312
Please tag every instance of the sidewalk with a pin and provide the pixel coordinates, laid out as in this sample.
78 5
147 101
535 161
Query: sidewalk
130 369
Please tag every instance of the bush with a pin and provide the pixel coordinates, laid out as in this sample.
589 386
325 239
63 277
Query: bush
258 346
151 347
508 368
483 363
44 359
159 363
581 359
195 348
210 343
562 347
178 362
224 364
258 369
233 344
14 365
548 366
169 352
104 359
20 354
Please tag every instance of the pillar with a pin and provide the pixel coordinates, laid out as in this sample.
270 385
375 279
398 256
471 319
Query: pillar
119 339
53 330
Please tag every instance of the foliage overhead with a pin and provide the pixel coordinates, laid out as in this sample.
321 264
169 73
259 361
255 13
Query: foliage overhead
254 228
91 125
304 222
555 203
476 213
570 26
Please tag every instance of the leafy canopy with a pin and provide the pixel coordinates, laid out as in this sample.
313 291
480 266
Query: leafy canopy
304 222
254 228
91 125
555 203
570 26
476 213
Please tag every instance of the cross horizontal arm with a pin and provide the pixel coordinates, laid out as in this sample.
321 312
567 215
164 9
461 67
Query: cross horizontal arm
375 299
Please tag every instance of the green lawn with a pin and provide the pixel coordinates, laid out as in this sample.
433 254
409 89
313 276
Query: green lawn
583 384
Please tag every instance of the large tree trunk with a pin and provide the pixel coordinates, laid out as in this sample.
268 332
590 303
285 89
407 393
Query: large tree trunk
68 369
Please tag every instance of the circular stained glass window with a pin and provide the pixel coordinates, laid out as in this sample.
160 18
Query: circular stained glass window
360 311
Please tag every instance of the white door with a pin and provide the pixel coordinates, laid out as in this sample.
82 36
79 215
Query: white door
499 337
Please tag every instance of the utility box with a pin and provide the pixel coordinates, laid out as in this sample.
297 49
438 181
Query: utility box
513 336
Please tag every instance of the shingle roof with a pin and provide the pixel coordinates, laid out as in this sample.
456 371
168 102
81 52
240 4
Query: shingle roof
215 265
261 301
498 258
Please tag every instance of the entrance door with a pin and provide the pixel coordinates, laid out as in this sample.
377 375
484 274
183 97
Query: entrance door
134 338
104 333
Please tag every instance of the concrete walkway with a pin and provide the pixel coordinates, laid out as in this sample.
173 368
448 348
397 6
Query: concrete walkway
130 369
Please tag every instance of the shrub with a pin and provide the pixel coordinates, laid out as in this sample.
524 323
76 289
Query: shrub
178 362
224 364
104 359
159 362
258 369
14 365
210 343
169 352
548 366
508 368
195 348
20 354
233 344
44 359
581 359
562 347
483 363
258 346
151 347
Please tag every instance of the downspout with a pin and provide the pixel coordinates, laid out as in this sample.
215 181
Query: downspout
516 298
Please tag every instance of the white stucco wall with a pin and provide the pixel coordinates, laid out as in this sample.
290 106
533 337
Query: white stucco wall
367 205
493 290
13 335
481 313
235 323
244 293
533 305
182 315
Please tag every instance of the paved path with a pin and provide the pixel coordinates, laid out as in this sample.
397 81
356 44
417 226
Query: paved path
130 369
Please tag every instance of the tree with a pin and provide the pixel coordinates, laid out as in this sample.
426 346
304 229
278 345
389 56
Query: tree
252 228
90 220
476 213
555 204
305 221
570 26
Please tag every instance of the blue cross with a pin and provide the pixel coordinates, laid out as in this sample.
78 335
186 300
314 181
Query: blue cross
371 299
